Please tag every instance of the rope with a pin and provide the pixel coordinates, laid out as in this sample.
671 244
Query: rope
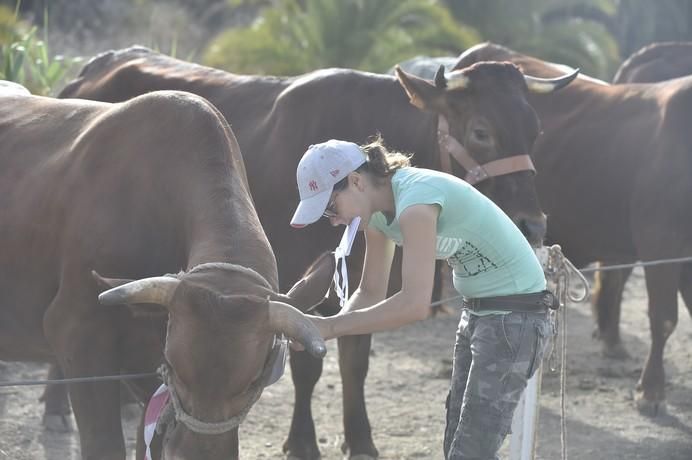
251 272
102 378
558 271
580 272
239 268
648 263
561 317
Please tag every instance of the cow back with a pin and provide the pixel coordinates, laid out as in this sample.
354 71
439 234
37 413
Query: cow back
150 186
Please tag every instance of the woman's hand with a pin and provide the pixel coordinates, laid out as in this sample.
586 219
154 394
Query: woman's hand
323 326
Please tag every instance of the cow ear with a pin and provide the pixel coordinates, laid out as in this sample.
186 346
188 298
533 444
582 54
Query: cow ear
312 288
104 284
422 93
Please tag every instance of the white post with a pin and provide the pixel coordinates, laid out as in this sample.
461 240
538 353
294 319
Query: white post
522 443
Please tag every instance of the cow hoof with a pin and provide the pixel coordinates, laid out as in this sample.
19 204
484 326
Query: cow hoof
306 454
58 423
596 333
615 351
650 408
372 455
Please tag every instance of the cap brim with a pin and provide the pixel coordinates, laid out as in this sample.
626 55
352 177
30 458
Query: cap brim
311 209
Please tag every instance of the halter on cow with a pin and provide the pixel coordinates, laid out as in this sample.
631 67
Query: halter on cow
450 147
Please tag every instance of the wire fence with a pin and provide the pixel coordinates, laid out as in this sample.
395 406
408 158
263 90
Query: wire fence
105 378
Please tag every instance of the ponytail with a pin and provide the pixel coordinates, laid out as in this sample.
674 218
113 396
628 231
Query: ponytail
381 163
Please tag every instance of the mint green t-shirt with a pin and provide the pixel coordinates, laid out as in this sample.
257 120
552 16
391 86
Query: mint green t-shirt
487 252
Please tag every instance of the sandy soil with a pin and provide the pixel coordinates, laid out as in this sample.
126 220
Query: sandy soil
406 389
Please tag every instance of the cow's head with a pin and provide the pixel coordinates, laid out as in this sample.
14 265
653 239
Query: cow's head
222 320
486 130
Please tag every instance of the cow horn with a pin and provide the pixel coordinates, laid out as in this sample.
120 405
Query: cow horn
440 79
456 80
288 320
157 290
548 85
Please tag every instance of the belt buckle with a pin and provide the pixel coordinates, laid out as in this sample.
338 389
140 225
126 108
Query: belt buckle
474 303
550 301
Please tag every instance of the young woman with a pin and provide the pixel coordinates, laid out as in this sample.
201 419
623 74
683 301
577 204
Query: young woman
504 324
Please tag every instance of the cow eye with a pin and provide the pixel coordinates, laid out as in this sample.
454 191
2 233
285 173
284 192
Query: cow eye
480 135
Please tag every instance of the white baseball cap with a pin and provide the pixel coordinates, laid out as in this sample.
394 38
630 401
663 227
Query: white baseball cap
322 166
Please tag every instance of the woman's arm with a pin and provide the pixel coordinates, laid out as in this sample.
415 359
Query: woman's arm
419 229
379 252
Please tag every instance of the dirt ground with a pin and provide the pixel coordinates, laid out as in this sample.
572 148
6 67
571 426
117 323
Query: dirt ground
406 389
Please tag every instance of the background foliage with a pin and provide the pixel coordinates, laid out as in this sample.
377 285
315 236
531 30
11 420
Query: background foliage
25 57
596 35
292 37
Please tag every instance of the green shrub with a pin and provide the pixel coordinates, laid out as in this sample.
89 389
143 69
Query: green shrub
25 59
296 36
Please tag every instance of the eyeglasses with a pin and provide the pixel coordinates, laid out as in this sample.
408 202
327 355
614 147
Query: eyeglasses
330 211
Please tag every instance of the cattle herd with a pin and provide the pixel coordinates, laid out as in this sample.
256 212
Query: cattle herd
144 215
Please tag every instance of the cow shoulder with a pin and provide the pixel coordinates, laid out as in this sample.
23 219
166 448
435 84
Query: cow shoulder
676 106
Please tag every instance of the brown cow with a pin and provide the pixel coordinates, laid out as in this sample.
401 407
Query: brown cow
615 167
656 62
151 186
276 119
651 64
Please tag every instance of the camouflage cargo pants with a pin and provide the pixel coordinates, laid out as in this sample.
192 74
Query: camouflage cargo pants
494 356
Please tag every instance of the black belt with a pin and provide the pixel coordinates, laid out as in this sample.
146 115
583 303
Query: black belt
526 303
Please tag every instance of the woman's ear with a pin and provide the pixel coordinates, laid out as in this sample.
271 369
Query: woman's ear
357 180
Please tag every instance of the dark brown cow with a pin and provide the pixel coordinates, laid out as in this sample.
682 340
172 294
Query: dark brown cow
656 62
151 186
276 119
615 165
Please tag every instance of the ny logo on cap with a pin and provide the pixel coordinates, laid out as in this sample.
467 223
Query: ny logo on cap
313 185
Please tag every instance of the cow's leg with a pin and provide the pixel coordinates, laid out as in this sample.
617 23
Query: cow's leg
439 286
662 285
56 412
83 335
140 448
354 355
96 405
606 306
686 286
302 441
443 289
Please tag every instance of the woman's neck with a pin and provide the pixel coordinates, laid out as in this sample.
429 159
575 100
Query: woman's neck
383 198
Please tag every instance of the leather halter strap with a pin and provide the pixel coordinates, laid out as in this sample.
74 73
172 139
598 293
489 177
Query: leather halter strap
450 147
